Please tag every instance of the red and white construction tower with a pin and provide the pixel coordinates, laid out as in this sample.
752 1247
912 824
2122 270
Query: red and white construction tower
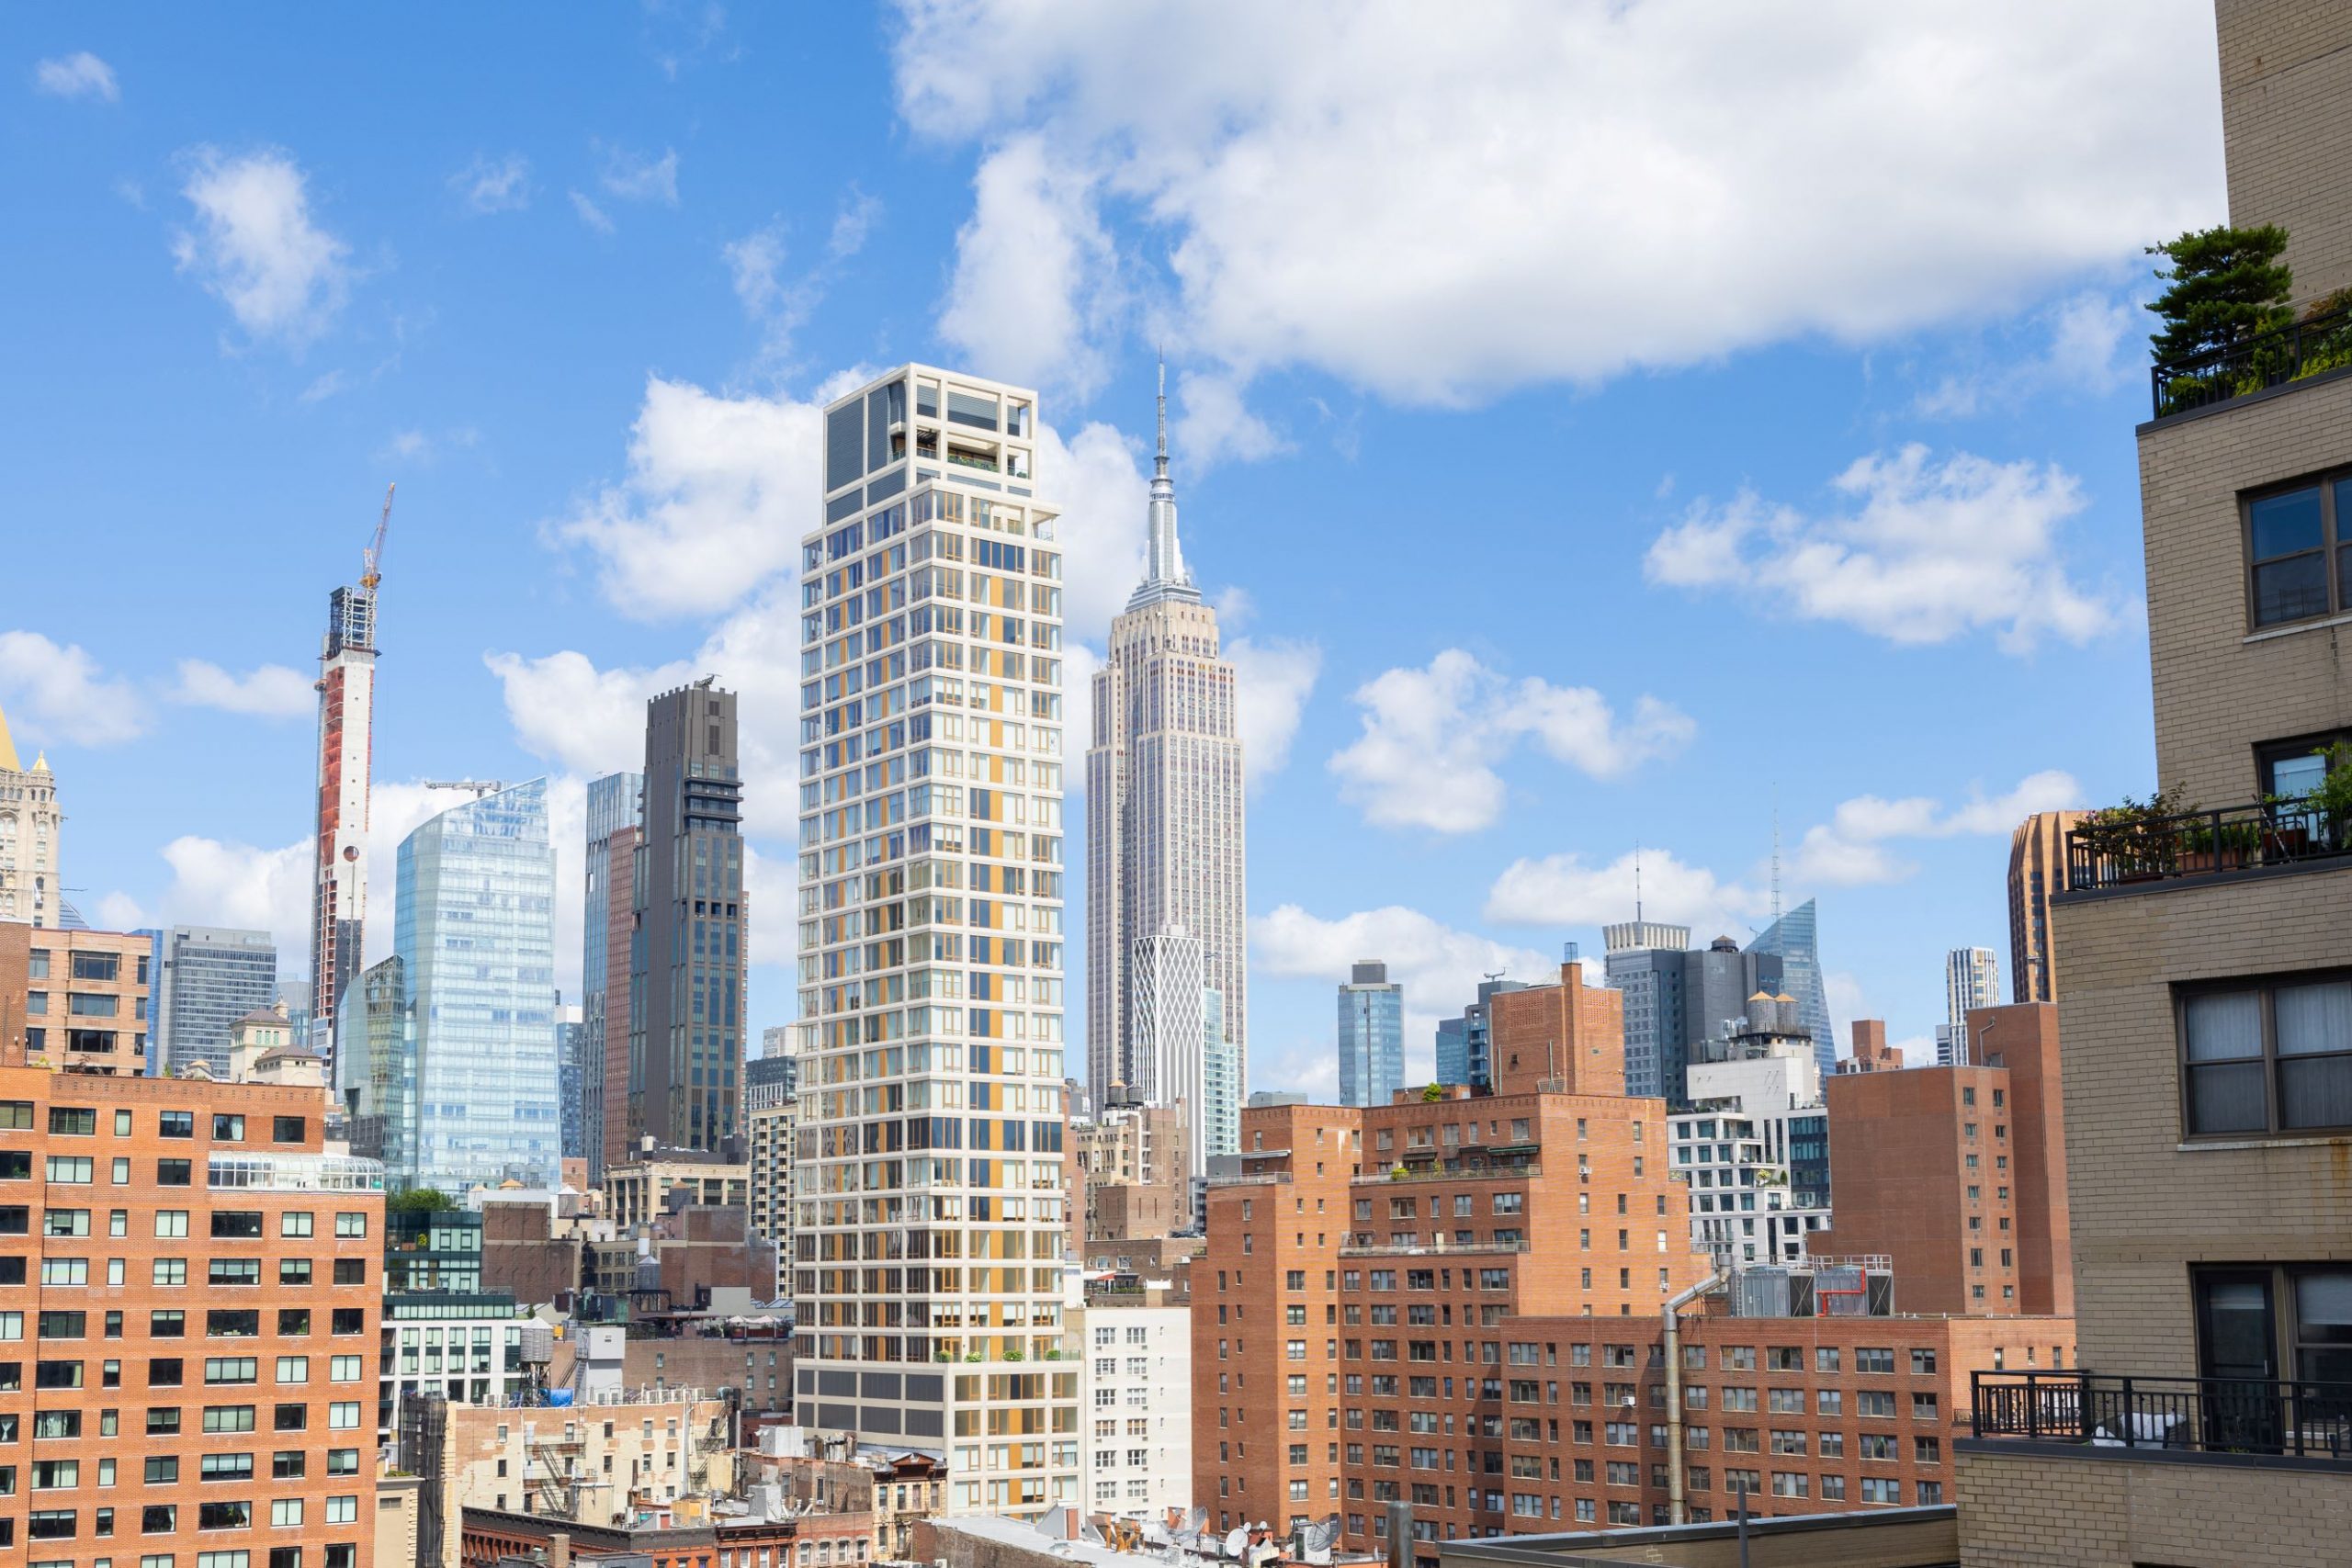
346 721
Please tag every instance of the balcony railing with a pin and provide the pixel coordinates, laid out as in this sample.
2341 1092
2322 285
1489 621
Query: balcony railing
2273 359
1367 1244
2214 1416
1447 1173
2200 843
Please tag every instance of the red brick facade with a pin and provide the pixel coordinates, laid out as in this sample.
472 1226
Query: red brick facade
191 1308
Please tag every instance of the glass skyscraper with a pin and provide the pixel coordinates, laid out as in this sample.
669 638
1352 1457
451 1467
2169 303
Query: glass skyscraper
1466 1052
210 979
1372 1036
459 1084
1794 939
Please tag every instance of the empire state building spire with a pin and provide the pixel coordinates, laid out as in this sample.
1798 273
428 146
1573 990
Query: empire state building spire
1164 575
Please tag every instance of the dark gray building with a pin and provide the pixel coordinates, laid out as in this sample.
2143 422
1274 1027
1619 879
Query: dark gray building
571 1078
209 978
607 931
686 1035
1677 998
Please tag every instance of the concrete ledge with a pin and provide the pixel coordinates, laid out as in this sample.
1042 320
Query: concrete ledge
2047 1452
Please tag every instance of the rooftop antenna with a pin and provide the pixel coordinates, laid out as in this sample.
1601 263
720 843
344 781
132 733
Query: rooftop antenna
1637 885
1775 855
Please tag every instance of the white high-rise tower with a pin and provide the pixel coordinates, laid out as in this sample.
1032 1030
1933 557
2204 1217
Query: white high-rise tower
929 1207
1164 808
1972 980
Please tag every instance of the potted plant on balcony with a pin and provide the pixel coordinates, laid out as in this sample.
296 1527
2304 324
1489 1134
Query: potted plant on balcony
2134 842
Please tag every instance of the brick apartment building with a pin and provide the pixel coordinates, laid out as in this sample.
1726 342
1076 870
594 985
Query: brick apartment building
77 1000
1958 1174
1459 1303
190 1289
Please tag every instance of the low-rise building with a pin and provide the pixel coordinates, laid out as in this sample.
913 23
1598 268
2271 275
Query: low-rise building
87 1000
604 1460
657 1180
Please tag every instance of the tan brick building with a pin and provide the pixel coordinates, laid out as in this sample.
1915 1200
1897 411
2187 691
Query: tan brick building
191 1286
2207 1005
87 1000
2037 869
1958 1174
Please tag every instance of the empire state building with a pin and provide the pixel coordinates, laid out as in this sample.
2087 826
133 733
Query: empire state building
1164 841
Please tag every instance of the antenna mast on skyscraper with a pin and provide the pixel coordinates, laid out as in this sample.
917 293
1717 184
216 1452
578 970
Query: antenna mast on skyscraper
1775 855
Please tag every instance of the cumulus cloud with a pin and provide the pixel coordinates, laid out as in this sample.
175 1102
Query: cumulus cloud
1859 845
57 691
493 184
1034 283
1439 967
1922 551
1274 677
1562 891
779 300
1293 217
716 499
1431 737
271 691
77 75
637 177
255 245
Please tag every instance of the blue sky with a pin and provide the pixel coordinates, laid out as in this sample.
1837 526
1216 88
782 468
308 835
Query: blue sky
1605 427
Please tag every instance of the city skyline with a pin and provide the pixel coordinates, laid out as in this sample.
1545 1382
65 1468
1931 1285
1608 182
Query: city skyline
551 569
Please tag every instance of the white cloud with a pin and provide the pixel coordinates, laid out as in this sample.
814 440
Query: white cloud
1273 678
323 387
1562 892
1924 552
2086 338
1215 424
590 213
1439 967
859 215
1857 846
716 501
636 176
1772 172
1034 282
1105 502
78 75
589 720
255 245
58 691
494 185
271 691
1430 738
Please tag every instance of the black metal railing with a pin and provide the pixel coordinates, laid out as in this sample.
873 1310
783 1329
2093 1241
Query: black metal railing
2198 843
2289 353
2214 1416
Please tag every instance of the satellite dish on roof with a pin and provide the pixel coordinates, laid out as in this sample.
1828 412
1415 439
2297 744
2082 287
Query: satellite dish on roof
1236 1542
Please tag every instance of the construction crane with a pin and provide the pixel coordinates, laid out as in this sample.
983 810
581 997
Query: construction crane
373 556
479 786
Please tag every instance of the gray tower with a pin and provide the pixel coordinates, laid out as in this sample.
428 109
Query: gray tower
687 960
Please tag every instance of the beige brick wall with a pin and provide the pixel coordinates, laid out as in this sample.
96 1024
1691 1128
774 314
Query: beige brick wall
2144 1208
2076 1511
2286 77
2219 692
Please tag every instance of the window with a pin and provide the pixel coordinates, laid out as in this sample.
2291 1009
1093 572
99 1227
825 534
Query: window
296 1270
2270 1056
231 1270
2295 570
228 1128
351 1225
73 1169
347 1271
294 1223
177 1124
284 1511
72 1120
2247 1319
286 1128
236 1225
